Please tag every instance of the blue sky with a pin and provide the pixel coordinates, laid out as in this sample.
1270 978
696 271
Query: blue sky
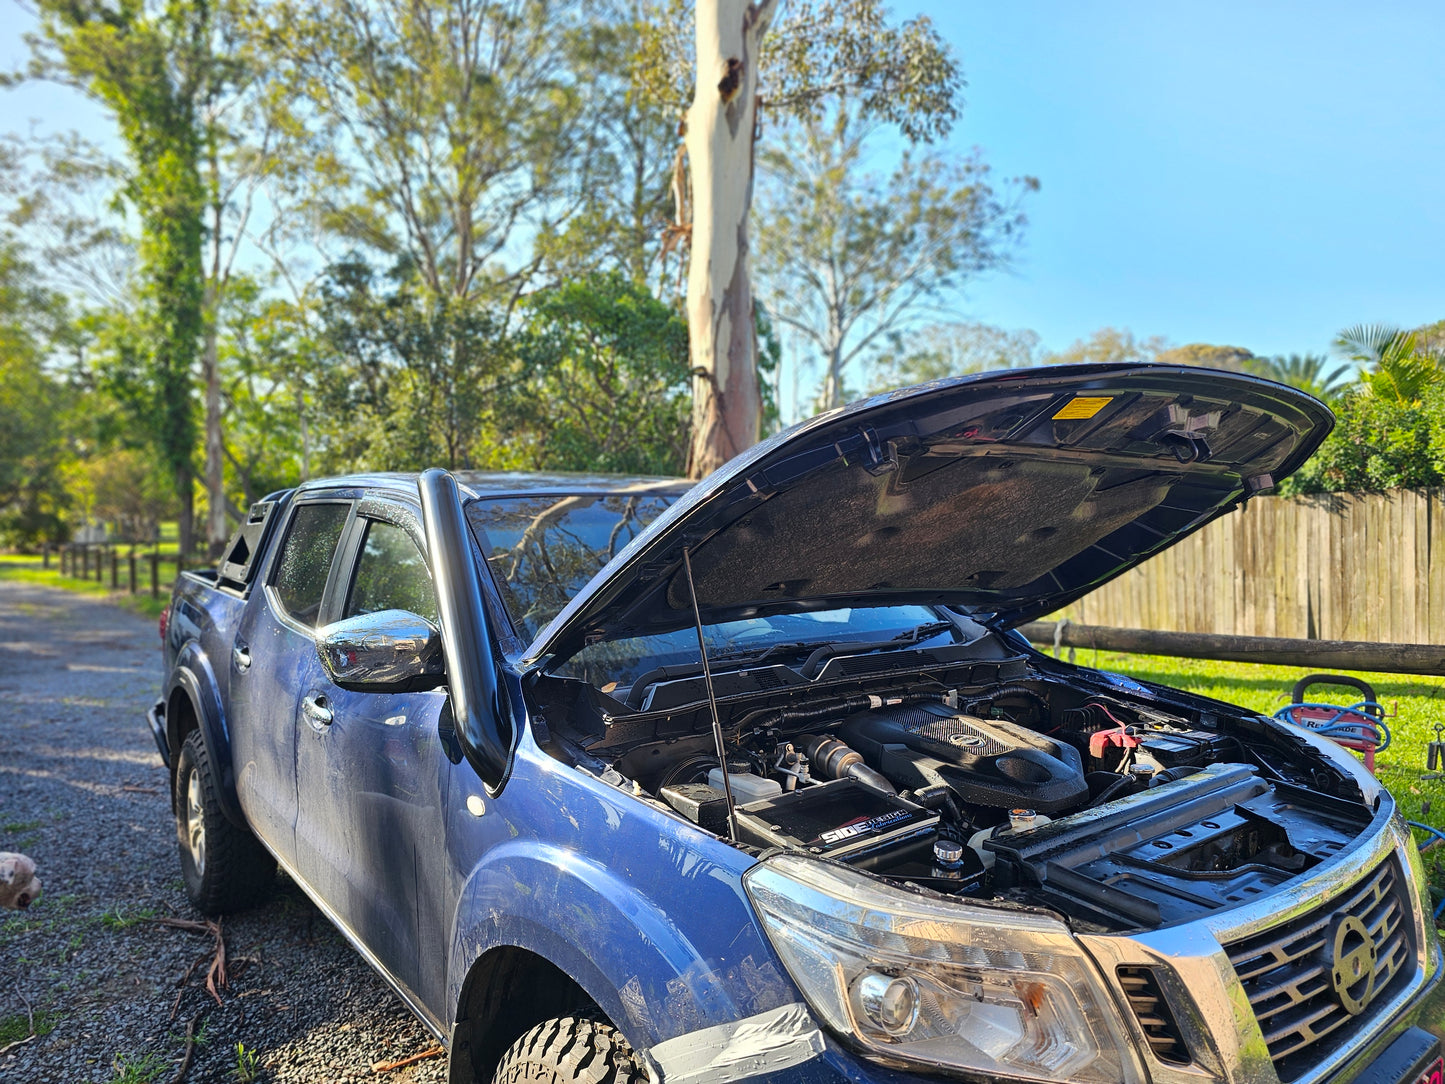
1254 174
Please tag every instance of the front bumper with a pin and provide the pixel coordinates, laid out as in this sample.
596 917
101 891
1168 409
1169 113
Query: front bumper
1198 979
787 1046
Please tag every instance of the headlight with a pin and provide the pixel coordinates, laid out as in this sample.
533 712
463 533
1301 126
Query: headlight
941 983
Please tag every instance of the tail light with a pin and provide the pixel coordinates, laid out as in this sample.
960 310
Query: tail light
165 622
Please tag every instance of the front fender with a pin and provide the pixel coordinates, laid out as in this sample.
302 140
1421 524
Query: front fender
649 917
193 678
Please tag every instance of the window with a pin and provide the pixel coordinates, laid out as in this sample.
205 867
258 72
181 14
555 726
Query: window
391 575
300 579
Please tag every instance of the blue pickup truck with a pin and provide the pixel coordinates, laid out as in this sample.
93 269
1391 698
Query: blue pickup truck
621 779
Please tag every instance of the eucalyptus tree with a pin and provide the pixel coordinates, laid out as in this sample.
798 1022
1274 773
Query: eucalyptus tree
952 348
150 66
442 133
853 259
182 81
756 63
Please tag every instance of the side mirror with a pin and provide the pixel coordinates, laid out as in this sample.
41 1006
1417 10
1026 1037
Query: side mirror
386 651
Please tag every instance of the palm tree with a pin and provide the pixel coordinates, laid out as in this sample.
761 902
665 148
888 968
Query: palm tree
1401 369
1312 373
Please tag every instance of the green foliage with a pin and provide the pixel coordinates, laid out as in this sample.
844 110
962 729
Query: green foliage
411 379
1378 443
439 132
608 380
33 404
815 52
151 67
267 356
953 349
1208 355
248 1064
1312 373
133 1069
623 161
1399 367
1113 346
849 259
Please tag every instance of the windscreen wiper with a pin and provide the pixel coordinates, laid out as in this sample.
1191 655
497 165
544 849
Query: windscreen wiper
815 661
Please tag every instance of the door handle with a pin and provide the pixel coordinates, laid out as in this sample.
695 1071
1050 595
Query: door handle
241 657
316 710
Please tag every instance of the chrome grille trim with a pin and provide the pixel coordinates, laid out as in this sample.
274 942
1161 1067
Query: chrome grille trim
1285 976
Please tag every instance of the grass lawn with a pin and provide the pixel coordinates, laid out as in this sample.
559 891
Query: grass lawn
1418 704
27 568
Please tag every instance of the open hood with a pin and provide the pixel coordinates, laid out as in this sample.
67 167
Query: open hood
1005 495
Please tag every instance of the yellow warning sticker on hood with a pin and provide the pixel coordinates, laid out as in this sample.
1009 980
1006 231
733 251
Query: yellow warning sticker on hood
1082 407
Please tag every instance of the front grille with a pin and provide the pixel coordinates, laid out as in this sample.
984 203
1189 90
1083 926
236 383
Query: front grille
1286 971
1153 1013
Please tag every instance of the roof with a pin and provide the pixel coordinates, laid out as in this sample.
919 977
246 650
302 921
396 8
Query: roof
475 484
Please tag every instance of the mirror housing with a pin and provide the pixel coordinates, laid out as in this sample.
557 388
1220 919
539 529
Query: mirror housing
387 651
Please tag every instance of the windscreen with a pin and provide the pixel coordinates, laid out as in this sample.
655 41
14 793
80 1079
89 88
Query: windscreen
542 550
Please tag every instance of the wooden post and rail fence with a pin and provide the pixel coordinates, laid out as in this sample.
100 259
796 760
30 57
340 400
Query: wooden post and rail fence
1343 581
122 567
1348 581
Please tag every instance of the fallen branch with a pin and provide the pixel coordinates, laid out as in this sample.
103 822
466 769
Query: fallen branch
216 976
185 1066
402 1063
29 1017
181 924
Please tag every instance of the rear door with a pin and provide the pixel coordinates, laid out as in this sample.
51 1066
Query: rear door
371 825
273 658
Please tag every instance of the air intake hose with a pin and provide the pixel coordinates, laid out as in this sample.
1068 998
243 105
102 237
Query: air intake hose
833 759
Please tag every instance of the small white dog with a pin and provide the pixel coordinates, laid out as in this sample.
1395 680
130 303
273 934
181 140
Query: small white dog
19 887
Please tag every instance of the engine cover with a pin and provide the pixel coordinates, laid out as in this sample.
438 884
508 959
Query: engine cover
986 762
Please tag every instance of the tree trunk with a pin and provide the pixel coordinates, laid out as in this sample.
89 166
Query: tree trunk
216 527
186 520
726 402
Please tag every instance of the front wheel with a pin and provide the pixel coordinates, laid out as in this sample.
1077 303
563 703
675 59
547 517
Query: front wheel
570 1050
225 868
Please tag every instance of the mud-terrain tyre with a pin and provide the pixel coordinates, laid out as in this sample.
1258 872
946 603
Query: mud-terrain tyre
225 868
570 1050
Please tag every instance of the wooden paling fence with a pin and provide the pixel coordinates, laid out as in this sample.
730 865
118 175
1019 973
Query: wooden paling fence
1342 566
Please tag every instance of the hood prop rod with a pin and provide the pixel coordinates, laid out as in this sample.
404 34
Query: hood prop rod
717 734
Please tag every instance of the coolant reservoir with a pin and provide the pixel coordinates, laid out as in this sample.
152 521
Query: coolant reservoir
1020 820
746 786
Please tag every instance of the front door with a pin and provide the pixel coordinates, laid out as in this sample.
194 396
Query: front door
371 824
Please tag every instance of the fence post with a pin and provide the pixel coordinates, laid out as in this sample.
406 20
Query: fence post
155 559
114 569
132 571
100 564
45 555
63 551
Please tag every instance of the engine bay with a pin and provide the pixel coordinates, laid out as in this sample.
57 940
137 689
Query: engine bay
1123 811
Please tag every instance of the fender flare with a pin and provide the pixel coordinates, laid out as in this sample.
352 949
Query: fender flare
193 678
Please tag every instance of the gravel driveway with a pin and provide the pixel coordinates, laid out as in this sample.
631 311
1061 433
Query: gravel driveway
83 792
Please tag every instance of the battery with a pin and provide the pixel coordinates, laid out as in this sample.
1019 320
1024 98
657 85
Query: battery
1172 748
840 819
